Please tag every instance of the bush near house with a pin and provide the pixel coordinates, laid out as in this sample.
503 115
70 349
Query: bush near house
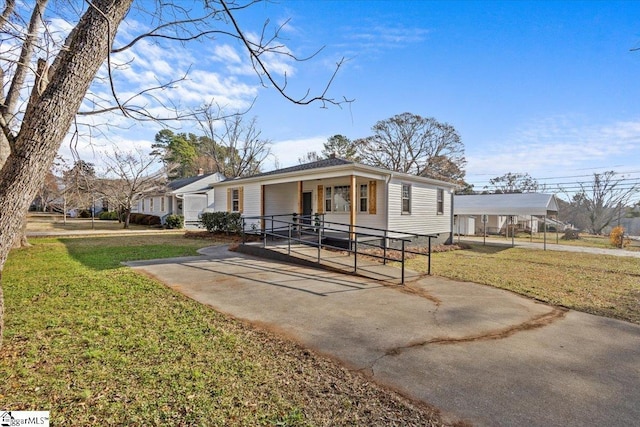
108 216
144 219
228 222
174 221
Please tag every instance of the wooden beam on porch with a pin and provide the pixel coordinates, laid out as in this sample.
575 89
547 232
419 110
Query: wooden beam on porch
262 210
300 187
352 213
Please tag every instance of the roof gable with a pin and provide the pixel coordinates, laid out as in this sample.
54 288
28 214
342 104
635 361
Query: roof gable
195 183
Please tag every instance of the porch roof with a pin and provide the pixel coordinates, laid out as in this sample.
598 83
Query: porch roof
328 168
506 204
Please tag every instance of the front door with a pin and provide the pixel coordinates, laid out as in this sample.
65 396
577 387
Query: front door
307 209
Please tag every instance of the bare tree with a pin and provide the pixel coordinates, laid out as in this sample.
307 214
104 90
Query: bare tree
43 86
128 178
235 145
604 199
514 183
311 156
417 145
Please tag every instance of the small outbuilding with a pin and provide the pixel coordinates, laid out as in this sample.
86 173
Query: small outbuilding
481 214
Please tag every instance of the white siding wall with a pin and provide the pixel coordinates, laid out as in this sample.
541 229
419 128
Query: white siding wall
423 218
193 206
281 199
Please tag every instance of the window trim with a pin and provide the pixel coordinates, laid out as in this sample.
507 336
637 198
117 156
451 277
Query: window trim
235 199
363 198
403 198
329 198
440 201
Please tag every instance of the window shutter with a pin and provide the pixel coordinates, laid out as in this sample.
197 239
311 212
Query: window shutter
240 199
372 197
228 200
320 208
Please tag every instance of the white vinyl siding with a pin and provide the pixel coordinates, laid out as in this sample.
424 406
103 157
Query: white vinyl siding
424 218
280 199
193 206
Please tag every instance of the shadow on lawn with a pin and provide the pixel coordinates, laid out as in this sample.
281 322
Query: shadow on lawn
489 248
105 253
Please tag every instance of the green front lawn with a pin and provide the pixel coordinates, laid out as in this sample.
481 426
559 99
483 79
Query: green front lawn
95 343
598 284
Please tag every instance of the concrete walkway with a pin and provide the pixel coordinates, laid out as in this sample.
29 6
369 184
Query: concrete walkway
479 354
551 246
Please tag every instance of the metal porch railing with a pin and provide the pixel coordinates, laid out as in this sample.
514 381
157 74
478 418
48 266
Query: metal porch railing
314 230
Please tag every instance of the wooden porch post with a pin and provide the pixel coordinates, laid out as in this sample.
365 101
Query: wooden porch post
352 214
300 198
262 210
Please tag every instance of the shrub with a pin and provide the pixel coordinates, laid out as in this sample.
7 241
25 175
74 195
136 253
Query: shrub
174 221
107 216
142 219
228 222
616 237
85 213
571 235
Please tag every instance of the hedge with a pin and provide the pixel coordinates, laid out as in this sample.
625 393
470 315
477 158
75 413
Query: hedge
228 222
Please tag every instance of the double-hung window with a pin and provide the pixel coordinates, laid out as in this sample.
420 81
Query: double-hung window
364 198
440 201
406 198
235 200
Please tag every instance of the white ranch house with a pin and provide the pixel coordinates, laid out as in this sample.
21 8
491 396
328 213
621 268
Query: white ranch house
187 196
344 192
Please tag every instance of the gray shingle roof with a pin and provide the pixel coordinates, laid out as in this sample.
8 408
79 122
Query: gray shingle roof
324 163
179 183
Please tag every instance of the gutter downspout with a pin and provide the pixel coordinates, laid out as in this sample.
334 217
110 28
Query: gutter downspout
386 192
451 220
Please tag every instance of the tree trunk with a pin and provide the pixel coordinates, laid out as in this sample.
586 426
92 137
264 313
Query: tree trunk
49 116
21 241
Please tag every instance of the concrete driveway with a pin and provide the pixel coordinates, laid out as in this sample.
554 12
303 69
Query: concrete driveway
478 353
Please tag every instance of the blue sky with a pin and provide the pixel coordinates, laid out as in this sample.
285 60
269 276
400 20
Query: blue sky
546 88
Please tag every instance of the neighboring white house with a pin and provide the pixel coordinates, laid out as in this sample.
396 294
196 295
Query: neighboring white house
344 192
187 196
493 213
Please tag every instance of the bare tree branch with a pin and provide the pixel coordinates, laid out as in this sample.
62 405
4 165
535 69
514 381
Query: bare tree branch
262 69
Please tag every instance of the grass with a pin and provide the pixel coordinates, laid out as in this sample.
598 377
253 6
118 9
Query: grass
597 284
585 240
56 223
95 343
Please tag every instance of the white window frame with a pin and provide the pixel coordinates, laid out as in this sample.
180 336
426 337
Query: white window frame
363 198
407 198
440 201
330 193
235 200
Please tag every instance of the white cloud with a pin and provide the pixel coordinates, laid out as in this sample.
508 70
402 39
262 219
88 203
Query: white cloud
288 151
558 144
